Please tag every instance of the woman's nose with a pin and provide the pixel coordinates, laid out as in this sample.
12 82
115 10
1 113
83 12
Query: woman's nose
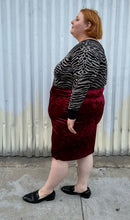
72 22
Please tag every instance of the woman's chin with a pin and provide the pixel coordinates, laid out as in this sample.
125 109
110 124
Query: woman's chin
71 31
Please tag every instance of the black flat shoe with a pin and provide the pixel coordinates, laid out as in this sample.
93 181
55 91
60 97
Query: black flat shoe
70 190
34 197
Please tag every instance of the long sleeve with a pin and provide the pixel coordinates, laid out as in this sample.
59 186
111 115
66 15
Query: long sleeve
85 65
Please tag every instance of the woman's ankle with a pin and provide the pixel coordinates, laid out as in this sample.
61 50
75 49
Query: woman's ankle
80 188
45 191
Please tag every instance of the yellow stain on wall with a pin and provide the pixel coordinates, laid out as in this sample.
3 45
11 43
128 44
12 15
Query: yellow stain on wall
117 142
29 132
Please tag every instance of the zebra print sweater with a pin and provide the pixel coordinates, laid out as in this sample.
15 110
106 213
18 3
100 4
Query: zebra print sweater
82 69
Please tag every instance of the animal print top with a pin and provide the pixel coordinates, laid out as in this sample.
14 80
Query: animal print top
82 69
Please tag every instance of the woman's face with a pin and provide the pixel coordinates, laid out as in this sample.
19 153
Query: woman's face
78 26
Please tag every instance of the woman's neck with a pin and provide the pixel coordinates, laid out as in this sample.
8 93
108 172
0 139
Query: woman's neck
91 38
82 38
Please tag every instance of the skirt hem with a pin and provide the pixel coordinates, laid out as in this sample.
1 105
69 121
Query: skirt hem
75 158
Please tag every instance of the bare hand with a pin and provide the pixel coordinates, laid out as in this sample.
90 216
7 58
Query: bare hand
70 124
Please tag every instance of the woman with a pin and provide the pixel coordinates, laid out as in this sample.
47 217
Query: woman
76 106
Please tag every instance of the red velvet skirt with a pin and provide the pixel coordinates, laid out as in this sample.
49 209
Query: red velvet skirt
66 145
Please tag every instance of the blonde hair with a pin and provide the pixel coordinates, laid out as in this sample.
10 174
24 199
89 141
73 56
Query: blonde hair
92 16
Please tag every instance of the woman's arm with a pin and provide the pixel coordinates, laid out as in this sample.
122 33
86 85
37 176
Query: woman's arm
85 65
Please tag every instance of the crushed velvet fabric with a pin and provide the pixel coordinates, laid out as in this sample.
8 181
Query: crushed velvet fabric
66 145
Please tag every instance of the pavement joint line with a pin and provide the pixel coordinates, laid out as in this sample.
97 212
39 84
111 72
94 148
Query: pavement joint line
80 199
82 209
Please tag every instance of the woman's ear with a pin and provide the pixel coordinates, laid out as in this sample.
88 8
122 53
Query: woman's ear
88 25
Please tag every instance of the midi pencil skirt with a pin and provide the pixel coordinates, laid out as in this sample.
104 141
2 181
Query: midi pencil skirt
67 146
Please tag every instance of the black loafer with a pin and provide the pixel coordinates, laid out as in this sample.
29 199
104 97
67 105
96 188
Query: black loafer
34 197
70 190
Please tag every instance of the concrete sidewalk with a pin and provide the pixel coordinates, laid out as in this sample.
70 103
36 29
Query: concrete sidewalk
109 183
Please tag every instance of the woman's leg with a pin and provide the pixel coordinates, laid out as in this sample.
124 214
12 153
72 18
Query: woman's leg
85 166
58 171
